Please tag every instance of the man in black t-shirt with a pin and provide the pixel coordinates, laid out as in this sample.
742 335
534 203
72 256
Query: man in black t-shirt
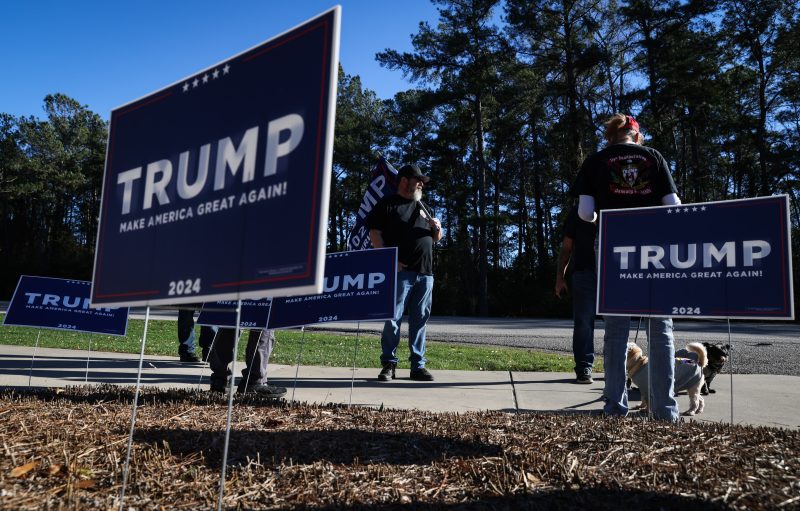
403 221
577 255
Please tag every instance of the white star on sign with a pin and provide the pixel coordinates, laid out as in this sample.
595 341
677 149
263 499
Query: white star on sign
185 86
677 210
205 78
215 74
694 208
195 82
702 208
226 69
685 210
669 211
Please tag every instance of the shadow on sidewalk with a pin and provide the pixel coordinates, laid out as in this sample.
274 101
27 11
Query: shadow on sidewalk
101 370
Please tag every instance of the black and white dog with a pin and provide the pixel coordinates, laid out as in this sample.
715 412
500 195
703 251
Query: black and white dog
717 354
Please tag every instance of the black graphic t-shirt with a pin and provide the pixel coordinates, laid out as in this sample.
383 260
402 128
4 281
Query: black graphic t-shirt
402 225
626 176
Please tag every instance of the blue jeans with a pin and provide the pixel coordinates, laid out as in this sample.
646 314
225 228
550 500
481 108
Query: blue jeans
414 291
584 286
661 362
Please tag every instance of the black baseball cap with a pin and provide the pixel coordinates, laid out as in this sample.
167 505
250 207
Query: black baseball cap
412 170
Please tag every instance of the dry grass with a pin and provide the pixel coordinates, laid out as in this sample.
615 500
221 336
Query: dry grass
65 449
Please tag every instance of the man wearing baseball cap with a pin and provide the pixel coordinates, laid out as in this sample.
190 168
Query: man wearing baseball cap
402 220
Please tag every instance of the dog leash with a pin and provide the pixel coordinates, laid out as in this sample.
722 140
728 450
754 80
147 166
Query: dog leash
628 382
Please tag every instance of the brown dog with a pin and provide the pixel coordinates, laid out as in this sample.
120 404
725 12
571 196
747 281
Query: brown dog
688 374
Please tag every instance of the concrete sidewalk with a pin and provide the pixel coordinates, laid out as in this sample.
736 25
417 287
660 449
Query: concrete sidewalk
764 400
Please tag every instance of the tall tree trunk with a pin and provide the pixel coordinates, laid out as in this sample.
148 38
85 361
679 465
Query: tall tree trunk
483 256
761 134
496 212
575 150
697 178
537 197
522 218
652 75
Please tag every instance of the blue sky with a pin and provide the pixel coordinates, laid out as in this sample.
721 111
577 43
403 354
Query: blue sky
107 53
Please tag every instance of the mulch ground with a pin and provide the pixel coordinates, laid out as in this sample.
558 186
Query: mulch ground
65 449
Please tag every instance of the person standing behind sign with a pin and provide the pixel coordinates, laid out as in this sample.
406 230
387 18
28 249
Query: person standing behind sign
403 221
577 255
186 335
257 353
628 175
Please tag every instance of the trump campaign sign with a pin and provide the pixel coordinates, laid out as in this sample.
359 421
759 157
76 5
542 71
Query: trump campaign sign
61 304
729 259
223 313
216 187
359 286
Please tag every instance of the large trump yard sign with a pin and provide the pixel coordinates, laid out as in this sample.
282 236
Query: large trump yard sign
729 259
216 187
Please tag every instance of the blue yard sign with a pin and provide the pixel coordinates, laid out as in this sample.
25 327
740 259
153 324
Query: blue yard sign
61 304
216 187
729 259
359 286
223 313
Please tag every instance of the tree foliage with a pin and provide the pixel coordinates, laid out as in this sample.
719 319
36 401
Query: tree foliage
50 180
507 100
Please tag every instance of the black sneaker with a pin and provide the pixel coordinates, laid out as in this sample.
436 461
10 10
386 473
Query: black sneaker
387 373
585 379
262 389
421 374
190 358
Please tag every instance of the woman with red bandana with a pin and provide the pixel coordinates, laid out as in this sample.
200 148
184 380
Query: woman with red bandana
627 174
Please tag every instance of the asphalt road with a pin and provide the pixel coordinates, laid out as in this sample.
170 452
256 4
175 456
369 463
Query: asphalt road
758 348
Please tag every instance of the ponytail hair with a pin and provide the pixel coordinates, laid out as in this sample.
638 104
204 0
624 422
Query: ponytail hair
620 126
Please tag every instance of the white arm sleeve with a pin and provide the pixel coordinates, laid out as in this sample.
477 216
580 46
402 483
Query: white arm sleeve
586 208
670 200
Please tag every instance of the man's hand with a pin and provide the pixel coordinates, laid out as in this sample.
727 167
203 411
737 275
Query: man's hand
436 228
564 256
434 223
376 237
561 286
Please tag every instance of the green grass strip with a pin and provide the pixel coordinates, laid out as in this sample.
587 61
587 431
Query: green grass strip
318 349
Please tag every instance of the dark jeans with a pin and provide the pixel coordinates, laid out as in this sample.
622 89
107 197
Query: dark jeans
584 293
186 332
257 353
